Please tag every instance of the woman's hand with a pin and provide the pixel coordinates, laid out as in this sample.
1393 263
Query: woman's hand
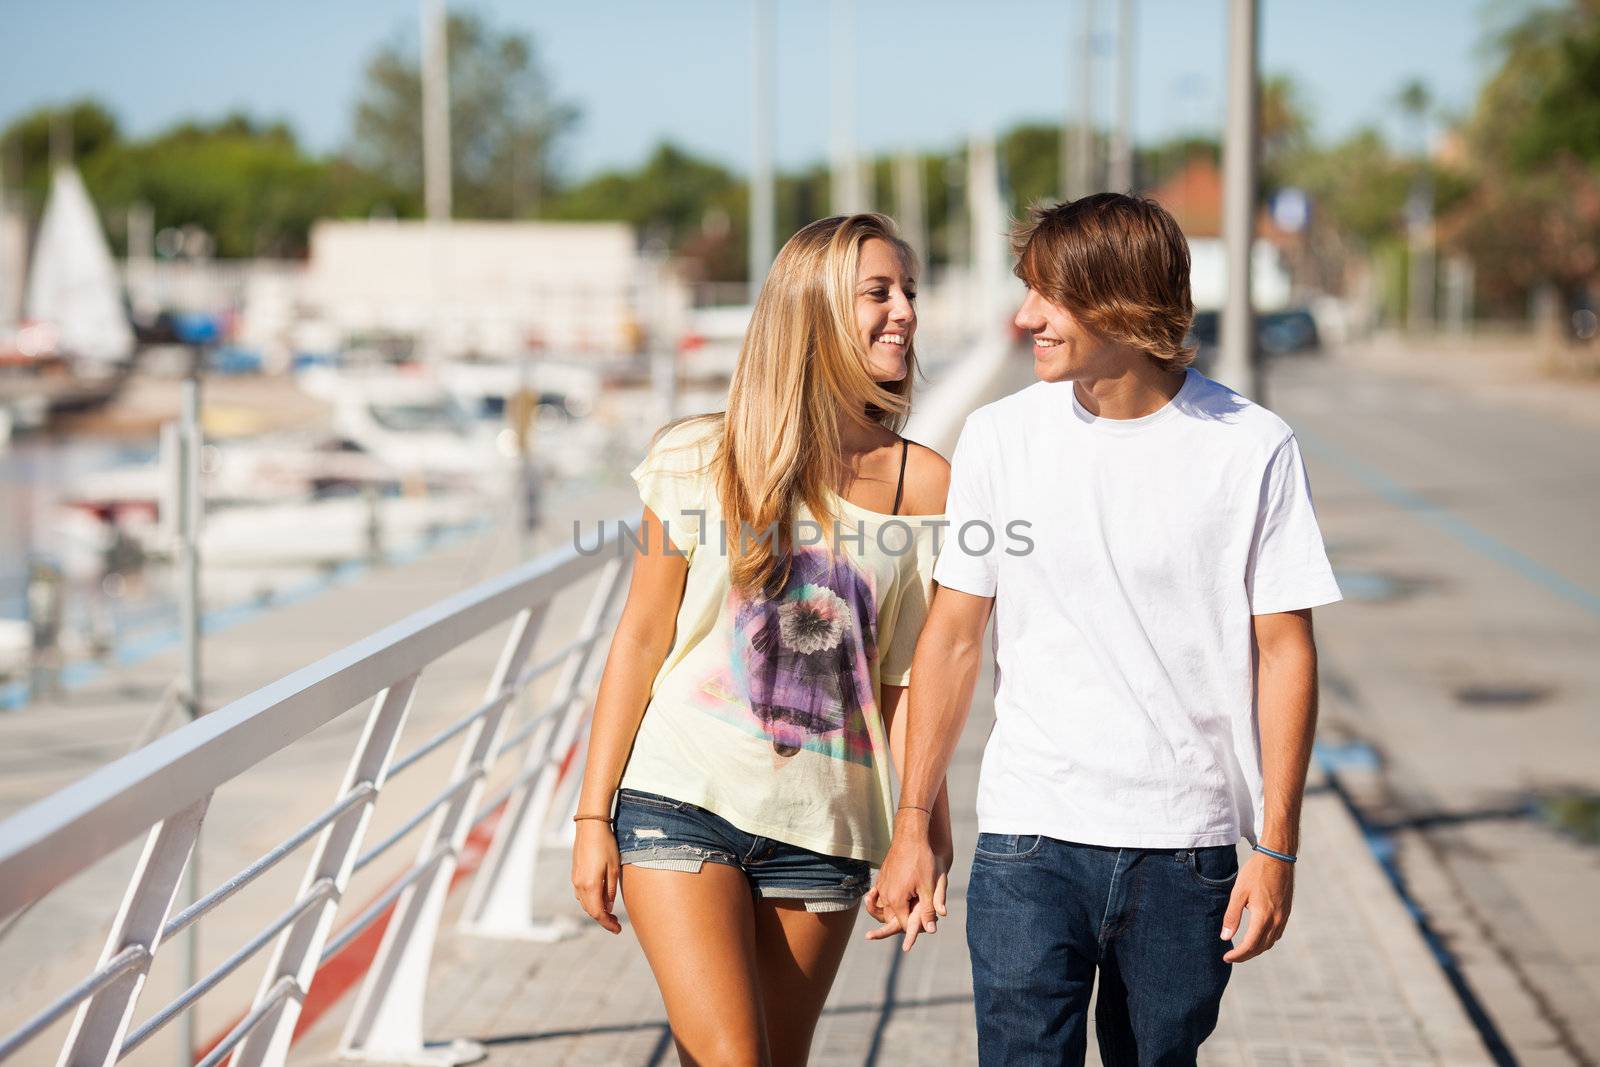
944 855
596 866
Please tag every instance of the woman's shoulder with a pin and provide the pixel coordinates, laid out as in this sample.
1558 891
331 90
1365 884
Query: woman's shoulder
927 481
693 431
685 445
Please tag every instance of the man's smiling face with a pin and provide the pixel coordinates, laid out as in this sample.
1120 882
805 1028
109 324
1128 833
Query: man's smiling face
1062 349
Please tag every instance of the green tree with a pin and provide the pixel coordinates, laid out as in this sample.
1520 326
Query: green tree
1532 150
505 125
26 145
1030 163
696 207
1358 185
1285 130
248 185
1546 98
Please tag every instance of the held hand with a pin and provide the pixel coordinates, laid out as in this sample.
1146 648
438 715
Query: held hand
1266 888
910 891
944 858
596 867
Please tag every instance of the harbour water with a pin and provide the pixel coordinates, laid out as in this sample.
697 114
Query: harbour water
86 575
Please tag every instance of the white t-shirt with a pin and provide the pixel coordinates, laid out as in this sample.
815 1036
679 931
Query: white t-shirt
1126 558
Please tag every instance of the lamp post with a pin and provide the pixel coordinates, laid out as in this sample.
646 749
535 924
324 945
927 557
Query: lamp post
1236 356
762 198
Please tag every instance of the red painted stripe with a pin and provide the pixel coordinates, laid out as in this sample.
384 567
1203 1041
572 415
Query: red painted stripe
347 966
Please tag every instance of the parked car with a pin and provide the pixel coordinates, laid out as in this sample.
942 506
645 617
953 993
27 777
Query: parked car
1278 333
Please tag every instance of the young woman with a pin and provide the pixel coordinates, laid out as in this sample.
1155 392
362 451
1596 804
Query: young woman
747 710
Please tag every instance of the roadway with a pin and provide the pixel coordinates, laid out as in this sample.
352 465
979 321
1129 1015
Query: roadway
1459 677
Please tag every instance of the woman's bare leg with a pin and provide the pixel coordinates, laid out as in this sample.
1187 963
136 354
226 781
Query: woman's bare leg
797 956
698 932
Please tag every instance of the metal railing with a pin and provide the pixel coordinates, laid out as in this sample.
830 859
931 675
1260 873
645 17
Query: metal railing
163 791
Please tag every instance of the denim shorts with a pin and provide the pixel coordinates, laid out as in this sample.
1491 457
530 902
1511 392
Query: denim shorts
662 834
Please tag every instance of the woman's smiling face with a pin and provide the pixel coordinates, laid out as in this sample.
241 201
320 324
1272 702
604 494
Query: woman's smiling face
886 312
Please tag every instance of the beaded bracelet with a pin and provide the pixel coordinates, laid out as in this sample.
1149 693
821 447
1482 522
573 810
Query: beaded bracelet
1284 856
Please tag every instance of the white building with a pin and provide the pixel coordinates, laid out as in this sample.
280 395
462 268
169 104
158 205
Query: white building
493 289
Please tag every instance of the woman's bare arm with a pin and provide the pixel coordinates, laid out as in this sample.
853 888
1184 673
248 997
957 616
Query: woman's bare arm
638 648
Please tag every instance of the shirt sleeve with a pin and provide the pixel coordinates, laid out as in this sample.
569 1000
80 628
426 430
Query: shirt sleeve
969 558
913 597
1289 568
672 481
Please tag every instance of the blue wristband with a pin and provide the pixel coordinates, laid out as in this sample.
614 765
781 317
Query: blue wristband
1284 856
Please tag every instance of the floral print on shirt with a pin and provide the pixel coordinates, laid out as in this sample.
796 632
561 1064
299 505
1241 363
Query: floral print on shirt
799 671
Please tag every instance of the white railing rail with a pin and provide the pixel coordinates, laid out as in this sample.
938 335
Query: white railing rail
164 789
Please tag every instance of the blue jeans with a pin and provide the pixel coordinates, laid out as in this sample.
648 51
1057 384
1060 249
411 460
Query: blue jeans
1044 916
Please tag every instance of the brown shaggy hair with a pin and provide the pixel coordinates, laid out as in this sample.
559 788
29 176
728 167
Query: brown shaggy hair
1119 264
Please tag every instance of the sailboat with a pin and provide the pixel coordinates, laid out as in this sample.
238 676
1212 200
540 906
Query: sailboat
73 345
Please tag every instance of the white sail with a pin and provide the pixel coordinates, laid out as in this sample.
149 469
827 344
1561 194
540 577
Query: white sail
73 284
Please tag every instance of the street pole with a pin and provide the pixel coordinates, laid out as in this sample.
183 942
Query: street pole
1122 131
190 500
1083 168
1421 266
1236 357
908 205
10 272
435 111
989 253
60 141
762 198
141 256
437 194
847 194
528 490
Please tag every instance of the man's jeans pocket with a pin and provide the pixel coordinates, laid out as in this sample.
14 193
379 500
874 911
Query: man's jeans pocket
1216 867
1003 847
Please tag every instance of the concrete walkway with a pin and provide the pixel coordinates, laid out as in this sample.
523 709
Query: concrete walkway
1352 982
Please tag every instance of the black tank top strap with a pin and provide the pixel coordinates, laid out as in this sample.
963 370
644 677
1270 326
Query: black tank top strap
900 486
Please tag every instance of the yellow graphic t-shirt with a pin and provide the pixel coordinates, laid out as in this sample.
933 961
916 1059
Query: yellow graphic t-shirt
766 709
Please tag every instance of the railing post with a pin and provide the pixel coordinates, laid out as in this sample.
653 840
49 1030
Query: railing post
102 1021
500 903
386 1024
563 833
300 947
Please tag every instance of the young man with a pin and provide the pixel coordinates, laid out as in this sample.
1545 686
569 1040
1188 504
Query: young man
1146 540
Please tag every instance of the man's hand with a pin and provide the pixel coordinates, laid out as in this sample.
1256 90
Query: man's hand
909 896
1265 888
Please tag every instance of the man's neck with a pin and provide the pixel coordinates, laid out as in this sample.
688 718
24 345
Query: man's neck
1143 388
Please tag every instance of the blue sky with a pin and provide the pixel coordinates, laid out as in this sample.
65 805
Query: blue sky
928 73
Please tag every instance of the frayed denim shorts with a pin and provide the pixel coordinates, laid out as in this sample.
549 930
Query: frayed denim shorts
662 834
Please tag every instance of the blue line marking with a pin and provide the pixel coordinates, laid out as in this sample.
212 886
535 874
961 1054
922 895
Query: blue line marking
1452 524
1333 758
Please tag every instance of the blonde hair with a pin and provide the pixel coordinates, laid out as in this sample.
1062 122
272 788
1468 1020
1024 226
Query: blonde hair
801 376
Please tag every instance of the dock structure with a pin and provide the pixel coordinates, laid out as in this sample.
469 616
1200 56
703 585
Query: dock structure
410 900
